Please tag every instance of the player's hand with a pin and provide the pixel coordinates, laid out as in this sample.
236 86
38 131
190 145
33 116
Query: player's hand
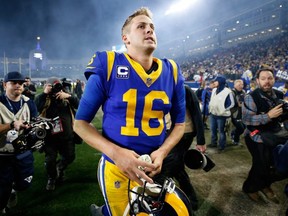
201 148
128 162
157 158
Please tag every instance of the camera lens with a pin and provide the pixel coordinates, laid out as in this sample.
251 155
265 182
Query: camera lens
40 133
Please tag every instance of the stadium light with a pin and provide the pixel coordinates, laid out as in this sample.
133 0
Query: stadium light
179 6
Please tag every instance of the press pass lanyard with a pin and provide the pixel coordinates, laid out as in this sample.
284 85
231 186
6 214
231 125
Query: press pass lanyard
11 107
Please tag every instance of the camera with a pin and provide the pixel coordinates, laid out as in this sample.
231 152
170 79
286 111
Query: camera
194 159
284 105
57 87
241 98
33 138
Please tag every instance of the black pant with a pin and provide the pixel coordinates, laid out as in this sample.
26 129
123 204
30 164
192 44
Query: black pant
262 173
15 172
239 129
174 167
65 148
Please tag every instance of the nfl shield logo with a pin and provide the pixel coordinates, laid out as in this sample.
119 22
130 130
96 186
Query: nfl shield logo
148 81
117 184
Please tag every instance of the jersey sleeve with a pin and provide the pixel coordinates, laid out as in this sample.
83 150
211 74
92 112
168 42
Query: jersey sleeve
178 101
95 89
91 100
97 65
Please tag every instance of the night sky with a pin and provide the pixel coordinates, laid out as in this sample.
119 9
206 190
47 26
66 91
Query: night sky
75 29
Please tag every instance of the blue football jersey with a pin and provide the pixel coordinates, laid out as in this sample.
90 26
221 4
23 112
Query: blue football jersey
134 103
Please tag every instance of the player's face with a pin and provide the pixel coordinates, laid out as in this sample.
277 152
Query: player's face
141 34
266 81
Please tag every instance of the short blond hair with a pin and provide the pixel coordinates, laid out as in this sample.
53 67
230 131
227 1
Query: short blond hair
141 11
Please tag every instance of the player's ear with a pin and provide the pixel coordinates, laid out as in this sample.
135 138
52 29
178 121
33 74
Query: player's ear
125 39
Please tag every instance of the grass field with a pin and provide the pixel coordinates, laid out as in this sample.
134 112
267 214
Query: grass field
219 190
73 197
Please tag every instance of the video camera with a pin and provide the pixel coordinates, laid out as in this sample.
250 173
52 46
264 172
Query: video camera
33 137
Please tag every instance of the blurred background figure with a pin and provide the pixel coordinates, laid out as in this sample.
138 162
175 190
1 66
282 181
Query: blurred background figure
284 89
206 95
236 112
29 88
1 86
78 89
247 76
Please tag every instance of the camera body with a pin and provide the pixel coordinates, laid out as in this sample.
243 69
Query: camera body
33 138
241 97
284 103
284 106
56 87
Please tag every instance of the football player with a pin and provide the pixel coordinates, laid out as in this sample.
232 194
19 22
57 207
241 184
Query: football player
136 91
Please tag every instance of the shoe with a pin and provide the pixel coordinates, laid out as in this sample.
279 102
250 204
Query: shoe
12 202
50 184
212 145
60 175
235 143
232 135
96 210
221 150
269 193
254 196
3 211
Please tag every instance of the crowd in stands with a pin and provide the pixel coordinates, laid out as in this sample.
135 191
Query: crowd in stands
234 61
245 62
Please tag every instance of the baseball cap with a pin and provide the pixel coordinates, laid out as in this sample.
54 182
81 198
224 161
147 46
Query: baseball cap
14 76
53 80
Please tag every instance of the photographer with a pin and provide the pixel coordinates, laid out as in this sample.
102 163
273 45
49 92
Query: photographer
236 113
53 102
173 165
262 112
29 89
16 169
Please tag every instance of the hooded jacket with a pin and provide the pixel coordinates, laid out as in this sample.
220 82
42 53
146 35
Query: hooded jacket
221 98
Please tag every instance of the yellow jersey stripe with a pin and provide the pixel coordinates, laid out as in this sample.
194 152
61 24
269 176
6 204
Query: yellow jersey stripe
175 70
110 62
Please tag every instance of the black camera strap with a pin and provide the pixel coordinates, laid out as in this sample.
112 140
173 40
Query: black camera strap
272 97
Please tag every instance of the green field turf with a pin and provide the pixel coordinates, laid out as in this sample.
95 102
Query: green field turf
74 196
